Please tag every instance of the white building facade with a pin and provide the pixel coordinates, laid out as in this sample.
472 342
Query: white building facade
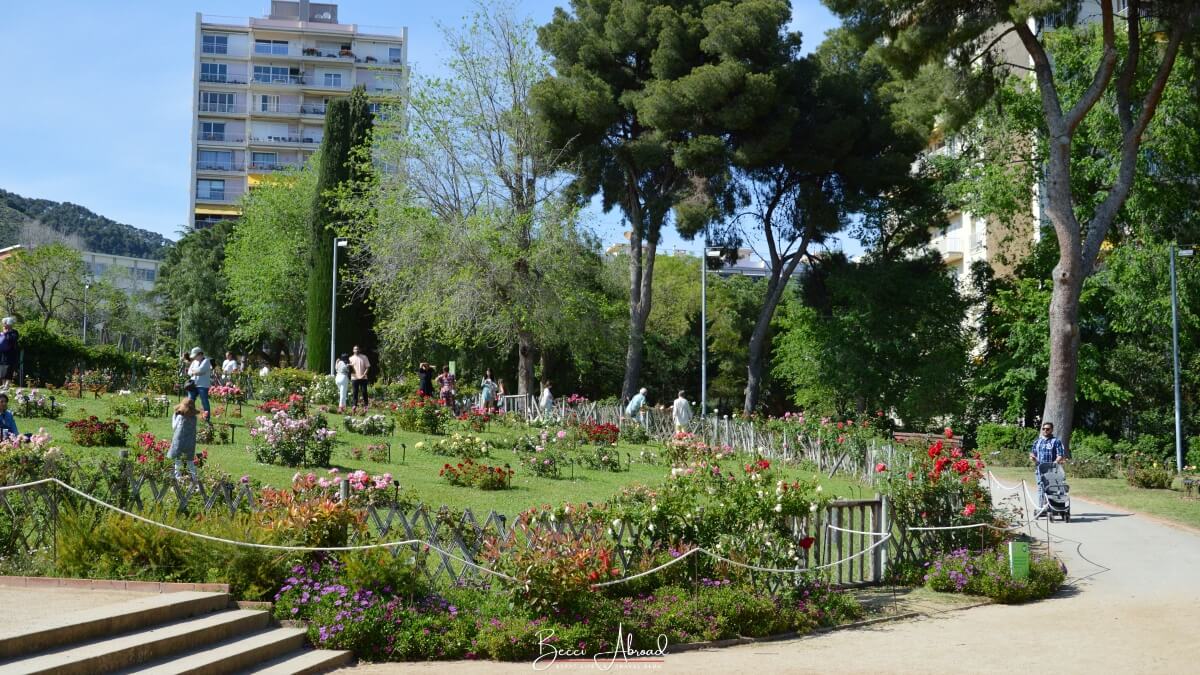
261 87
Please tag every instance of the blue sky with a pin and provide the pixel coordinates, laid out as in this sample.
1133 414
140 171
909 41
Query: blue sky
99 111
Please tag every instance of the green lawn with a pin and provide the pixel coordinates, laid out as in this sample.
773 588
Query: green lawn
418 471
1168 504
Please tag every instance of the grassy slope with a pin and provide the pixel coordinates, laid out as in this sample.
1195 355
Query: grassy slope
418 472
1168 504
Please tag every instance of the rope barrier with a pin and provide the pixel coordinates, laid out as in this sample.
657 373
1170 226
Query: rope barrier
992 479
647 572
799 570
6 488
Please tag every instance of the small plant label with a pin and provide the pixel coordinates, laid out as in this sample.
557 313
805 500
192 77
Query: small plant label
1018 559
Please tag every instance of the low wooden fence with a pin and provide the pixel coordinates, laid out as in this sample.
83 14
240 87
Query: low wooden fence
29 516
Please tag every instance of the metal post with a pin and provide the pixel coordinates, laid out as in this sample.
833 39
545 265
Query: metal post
344 490
1175 352
333 311
704 329
85 290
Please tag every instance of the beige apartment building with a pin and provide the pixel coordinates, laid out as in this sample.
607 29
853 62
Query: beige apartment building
261 87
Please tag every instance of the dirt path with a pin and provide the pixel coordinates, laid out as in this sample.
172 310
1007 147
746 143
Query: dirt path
1131 607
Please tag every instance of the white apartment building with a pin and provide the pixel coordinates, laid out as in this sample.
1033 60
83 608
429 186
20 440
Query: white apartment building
261 86
127 273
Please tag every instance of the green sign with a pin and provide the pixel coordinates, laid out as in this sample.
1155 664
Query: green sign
452 368
1018 559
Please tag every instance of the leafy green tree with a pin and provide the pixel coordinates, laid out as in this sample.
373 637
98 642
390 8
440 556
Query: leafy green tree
192 288
613 63
347 131
965 38
266 262
882 334
42 282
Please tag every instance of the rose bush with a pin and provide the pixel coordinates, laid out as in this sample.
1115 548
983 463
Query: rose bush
282 439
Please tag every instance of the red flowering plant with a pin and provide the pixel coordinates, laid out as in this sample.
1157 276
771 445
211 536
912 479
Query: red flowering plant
684 447
820 435
599 433
92 432
423 415
294 406
468 473
938 486
475 419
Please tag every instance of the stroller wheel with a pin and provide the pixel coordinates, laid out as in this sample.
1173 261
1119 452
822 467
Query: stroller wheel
1066 516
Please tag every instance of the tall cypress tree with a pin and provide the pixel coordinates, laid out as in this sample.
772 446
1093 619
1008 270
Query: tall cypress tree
347 126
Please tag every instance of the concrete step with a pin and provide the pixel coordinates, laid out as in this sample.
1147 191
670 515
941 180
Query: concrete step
110 620
124 651
307 662
234 655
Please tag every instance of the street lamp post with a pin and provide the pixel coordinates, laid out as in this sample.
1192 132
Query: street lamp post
708 253
1175 353
85 290
338 242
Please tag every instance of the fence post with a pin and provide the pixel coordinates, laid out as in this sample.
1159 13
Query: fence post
885 527
344 490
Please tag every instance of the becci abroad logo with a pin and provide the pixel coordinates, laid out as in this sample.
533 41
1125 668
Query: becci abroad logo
622 657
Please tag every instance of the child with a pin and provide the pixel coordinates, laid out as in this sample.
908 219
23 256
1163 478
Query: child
183 441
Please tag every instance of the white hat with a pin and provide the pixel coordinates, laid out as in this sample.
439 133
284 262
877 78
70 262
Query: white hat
8 321
195 351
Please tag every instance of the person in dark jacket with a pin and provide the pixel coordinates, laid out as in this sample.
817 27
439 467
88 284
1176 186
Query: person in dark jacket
10 350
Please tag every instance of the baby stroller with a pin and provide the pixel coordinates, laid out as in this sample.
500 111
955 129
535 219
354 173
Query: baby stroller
1053 482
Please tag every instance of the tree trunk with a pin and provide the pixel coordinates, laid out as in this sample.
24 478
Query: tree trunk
758 339
525 355
1064 347
641 274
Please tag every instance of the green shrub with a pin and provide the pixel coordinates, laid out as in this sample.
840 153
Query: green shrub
1091 444
282 382
1146 445
1147 472
988 574
423 415
1087 463
635 433
1010 441
91 432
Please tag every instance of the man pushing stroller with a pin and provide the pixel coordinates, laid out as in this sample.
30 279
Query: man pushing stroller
1047 450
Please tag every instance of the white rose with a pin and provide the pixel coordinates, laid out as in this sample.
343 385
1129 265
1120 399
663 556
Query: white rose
812 508
778 508
818 488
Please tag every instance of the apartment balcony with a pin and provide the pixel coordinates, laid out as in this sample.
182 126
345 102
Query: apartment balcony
219 196
278 80
329 56
234 79
314 109
271 167
287 141
223 51
325 87
227 138
219 167
275 110
222 108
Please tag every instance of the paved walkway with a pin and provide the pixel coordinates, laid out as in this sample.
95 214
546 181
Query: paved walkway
22 608
1132 606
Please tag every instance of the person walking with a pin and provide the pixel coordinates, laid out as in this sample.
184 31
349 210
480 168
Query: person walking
634 408
681 413
446 387
488 391
1046 450
10 350
342 380
201 373
229 369
425 379
183 439
360 366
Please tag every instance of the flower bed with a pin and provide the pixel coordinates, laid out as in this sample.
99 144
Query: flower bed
423 415
91 432
215 434
469 474
684 447
598 433
281 439
476 419
376 452
458 445
293 405
635 434
600 459
128 404
371 425
364 488
988 574
1148 473
31 404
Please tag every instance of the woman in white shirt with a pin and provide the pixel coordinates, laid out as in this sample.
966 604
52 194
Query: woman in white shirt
201 373
341 378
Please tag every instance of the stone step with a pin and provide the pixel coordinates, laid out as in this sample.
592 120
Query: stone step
307 662
124 651
110 620
235 655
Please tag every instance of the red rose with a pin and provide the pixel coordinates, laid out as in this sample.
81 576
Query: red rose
935 449
910 475
969 510
949 432
806 543
880 467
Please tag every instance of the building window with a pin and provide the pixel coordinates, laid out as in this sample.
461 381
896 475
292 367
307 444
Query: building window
212 131
214 44
268 103
214 72
264 160
210 189
279 47
375 107
211 101
276 75
142 274
333 80
396 54
215 160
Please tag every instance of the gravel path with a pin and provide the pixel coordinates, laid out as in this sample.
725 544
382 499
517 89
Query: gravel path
1132 606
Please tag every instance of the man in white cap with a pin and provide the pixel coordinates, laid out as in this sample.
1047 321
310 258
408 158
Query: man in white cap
10 350
201 373
634 408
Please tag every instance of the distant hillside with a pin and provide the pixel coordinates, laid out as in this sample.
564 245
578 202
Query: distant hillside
21 217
